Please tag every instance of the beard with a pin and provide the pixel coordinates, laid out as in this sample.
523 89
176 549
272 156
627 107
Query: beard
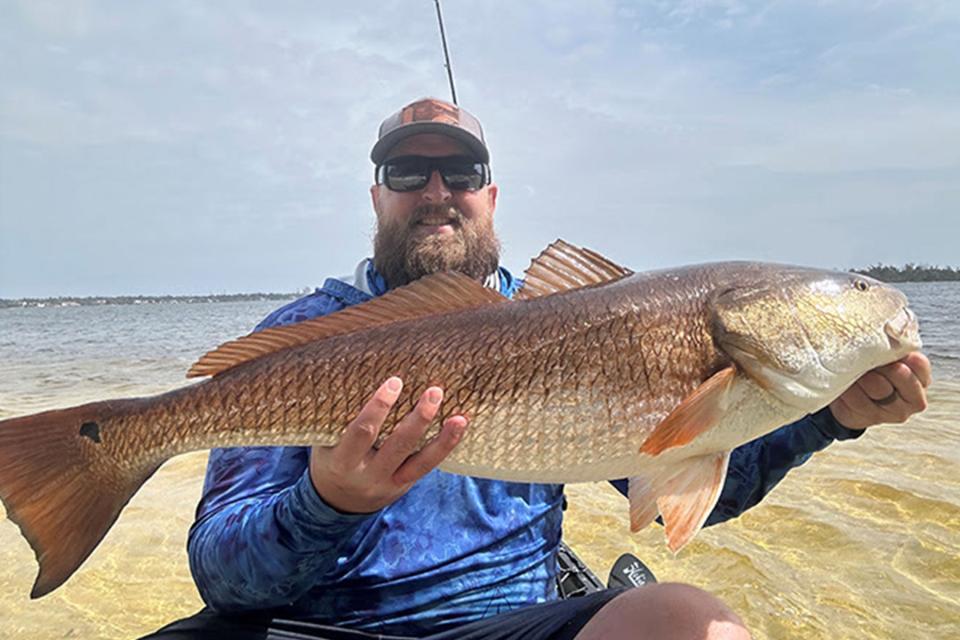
402 256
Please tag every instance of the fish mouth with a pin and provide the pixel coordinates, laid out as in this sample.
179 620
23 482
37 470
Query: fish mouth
903 331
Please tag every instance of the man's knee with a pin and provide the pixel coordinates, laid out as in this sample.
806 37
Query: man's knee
670 610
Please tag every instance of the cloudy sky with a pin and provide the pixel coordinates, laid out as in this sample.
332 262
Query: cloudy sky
197 147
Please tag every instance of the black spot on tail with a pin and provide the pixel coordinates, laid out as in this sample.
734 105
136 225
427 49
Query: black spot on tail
90 430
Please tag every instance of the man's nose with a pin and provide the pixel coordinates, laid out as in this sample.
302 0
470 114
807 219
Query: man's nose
436 189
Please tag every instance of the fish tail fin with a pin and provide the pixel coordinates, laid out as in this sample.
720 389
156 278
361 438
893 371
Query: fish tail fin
684 495
64 485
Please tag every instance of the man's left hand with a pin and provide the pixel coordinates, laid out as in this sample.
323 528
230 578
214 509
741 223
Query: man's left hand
891 393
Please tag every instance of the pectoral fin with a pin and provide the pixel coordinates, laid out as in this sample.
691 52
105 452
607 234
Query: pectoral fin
700 411
684 497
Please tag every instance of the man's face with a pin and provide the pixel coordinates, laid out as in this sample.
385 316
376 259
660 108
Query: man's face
434 228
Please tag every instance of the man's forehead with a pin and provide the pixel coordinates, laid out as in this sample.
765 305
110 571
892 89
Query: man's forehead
429 144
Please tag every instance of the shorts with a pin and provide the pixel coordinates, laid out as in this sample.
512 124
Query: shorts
558 620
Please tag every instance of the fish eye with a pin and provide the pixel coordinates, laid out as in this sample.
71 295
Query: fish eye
860 285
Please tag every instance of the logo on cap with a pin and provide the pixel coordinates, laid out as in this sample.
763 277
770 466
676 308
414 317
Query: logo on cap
430 111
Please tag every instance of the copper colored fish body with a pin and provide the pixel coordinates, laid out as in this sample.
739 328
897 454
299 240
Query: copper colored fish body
592 373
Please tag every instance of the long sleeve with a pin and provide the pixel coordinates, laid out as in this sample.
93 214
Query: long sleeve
757 467
263 536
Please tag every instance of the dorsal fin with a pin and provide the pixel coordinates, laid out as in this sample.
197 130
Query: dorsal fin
563 267
432 294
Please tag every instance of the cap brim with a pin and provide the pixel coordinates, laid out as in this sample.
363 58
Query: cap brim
383 146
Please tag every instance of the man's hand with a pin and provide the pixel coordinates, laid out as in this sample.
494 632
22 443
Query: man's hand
891 393
354 477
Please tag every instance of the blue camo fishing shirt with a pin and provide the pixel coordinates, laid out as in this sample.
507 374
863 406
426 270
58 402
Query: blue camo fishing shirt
452 550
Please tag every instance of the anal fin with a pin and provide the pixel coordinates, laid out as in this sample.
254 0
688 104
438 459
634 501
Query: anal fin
643 503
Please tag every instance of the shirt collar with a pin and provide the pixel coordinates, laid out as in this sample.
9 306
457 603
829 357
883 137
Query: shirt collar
369 280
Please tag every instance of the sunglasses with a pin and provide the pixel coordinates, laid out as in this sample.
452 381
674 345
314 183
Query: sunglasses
412 173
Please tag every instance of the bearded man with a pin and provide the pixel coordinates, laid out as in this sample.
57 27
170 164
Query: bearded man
358 541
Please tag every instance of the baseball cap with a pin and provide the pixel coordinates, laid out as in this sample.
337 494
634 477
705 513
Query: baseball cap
430 115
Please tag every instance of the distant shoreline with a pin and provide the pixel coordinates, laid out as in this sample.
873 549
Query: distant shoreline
94 301
910 273
882 272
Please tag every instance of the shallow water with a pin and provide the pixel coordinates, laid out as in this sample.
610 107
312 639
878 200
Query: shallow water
862 542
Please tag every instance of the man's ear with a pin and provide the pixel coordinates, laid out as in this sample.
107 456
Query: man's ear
492 192
375 198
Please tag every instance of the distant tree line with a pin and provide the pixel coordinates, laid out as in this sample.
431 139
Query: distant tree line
910 273
74 301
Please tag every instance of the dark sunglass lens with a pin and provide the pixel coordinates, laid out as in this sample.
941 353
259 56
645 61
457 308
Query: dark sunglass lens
405 176
463 175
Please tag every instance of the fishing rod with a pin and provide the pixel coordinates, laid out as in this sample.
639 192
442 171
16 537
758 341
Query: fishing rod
446 54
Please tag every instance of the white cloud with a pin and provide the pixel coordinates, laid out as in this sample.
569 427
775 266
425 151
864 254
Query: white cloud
184 137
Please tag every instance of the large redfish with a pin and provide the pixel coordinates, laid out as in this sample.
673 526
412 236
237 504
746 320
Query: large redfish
592 373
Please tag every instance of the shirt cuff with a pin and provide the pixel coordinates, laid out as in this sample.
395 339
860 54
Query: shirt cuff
305 500
824 421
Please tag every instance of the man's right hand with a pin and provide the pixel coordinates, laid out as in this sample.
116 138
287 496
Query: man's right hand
354 477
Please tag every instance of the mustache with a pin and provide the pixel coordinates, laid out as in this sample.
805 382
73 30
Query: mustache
436 210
